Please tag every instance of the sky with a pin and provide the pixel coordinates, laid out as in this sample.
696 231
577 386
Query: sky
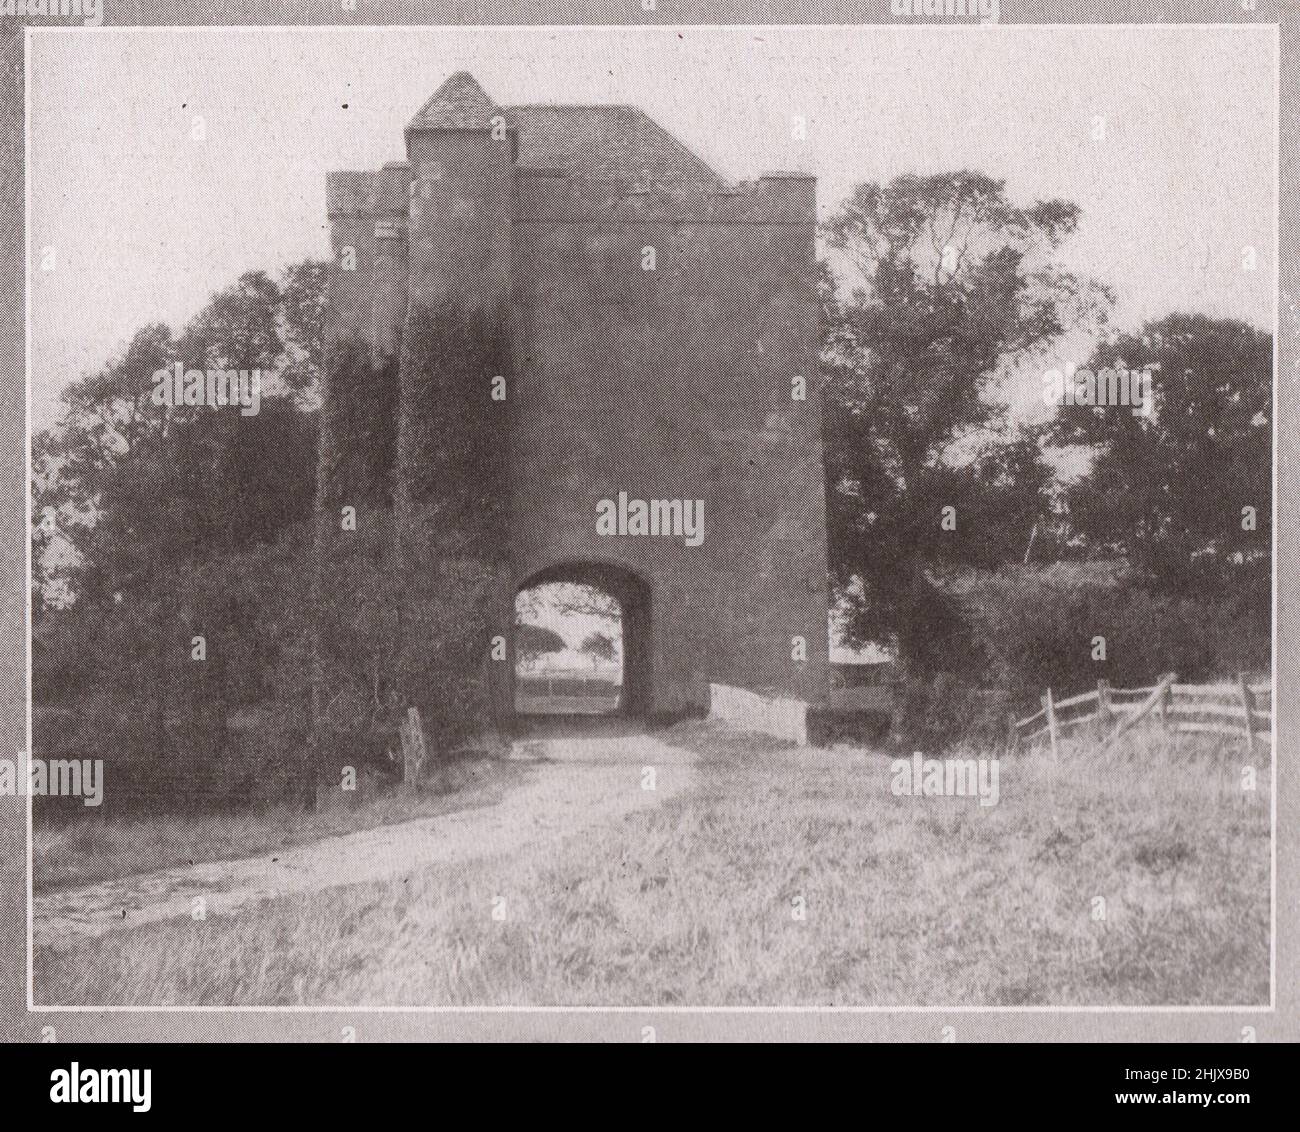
146 222
545 605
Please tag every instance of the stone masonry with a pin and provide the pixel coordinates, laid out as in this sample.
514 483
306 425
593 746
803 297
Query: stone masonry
671 383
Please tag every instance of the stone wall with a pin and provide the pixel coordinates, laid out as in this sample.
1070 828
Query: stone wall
676 384
744 710
672 383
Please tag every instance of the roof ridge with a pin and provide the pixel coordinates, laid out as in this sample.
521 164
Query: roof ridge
576 106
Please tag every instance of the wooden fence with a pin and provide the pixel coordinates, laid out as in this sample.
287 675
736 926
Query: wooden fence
1239 709
566 682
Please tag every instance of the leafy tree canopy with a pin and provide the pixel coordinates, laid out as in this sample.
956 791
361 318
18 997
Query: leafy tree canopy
943 285
535 640
1167 489
599 646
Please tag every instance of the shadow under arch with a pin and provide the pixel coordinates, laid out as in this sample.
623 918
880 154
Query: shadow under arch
633 594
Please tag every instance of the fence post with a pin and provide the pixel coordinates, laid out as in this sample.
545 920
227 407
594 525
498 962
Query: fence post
1013 735
1247 703
1157 696
1164 701
1051 718
413 748
1103 707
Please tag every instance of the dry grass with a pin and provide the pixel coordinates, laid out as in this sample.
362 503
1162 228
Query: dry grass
94 848
908 900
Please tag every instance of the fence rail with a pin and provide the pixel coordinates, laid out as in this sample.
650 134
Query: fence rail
570 683
1239 709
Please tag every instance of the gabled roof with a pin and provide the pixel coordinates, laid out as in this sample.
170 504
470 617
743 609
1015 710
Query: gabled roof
459 104
605 142
583 141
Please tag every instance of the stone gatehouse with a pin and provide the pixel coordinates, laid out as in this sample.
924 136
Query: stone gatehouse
664 330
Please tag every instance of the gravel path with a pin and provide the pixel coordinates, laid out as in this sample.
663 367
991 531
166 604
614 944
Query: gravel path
577 782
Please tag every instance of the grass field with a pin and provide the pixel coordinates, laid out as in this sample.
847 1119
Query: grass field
906 901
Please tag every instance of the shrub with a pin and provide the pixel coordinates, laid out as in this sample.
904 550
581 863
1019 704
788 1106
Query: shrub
1036 629
935 712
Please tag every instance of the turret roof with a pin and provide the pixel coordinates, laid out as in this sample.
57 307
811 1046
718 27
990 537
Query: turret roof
459 104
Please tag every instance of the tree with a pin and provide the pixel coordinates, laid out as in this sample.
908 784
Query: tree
532 641
575 599
566 600
238 328
148 520
277 326
943 285
125 489
1168 489
599 646
303 291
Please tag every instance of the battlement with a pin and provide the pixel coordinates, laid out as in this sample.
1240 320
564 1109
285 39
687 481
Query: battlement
551 195
349 193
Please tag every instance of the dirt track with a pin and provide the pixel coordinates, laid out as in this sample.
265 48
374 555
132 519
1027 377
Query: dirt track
577 782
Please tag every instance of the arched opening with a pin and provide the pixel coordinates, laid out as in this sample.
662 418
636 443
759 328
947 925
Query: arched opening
581 642
568 650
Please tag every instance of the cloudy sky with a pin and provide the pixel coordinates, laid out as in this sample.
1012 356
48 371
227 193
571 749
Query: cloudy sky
147 222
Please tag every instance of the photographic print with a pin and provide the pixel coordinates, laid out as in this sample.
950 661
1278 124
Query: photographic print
652 517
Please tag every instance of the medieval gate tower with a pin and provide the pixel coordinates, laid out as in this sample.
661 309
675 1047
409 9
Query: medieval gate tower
664 331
